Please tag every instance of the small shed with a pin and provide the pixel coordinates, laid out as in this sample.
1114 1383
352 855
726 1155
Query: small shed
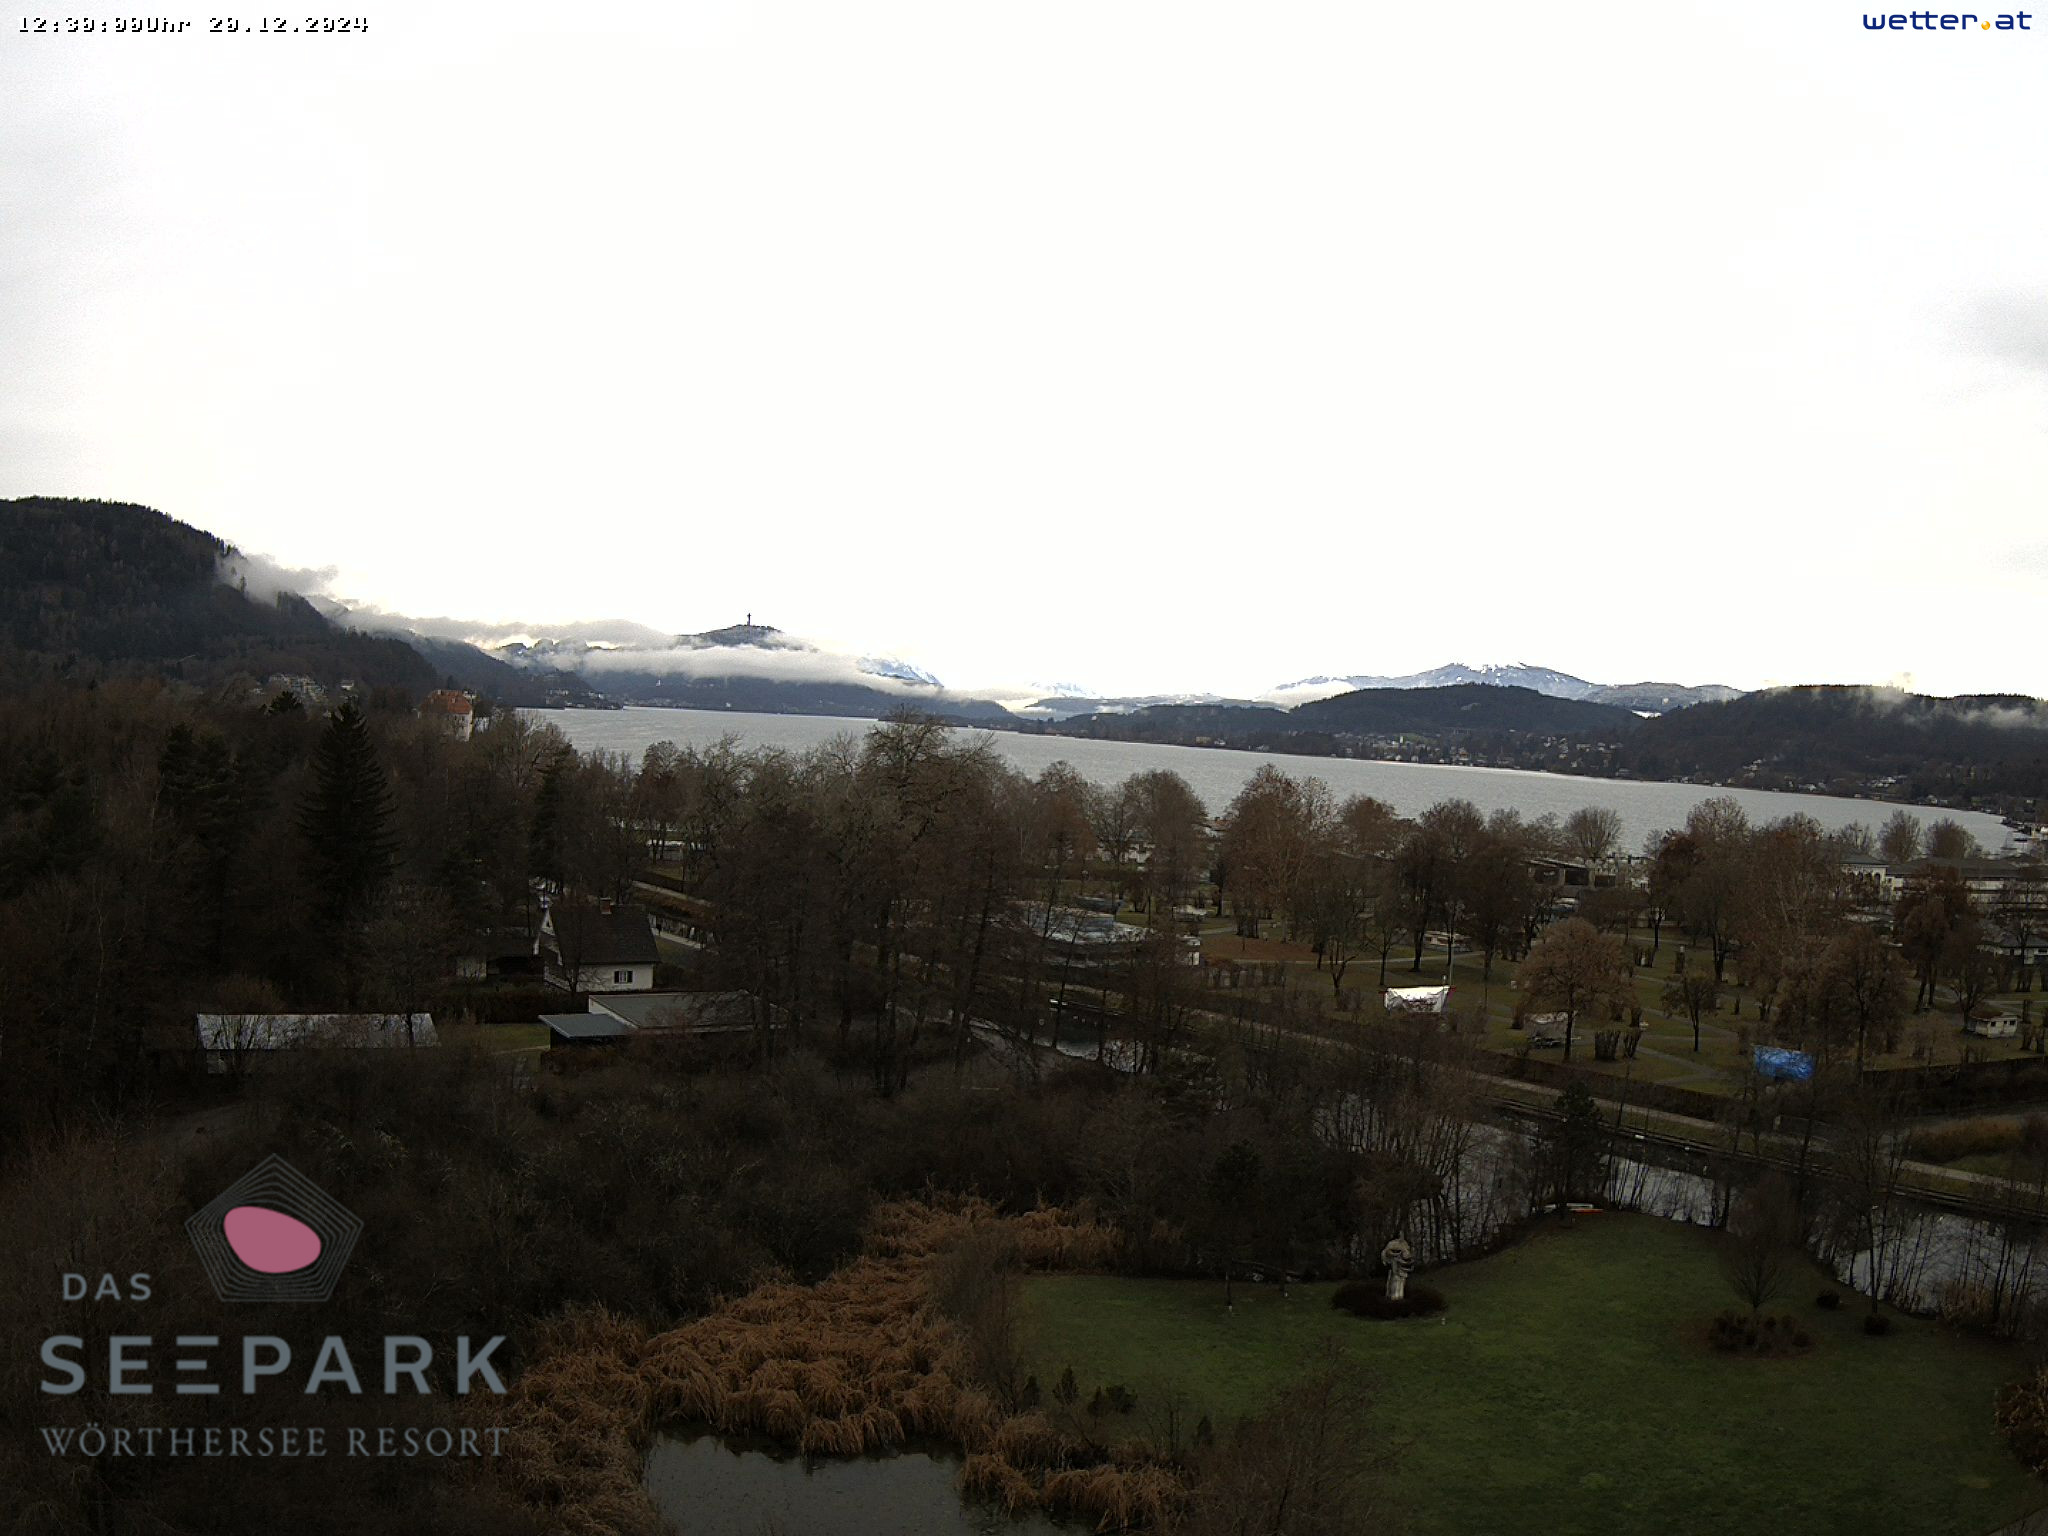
1991 1024
1405 1000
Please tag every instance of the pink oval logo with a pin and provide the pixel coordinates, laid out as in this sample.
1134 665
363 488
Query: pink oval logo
268 1241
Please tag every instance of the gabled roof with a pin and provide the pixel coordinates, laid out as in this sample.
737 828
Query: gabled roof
677 1010
589 934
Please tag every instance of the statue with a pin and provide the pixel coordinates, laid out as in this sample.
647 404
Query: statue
1399 1259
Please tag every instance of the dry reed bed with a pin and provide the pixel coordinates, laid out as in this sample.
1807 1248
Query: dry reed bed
856 1364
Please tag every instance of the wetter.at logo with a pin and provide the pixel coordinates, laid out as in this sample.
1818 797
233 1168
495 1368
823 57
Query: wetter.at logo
274 1235
1946 21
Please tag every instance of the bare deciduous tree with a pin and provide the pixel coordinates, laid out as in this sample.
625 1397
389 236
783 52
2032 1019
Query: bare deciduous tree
1759 1250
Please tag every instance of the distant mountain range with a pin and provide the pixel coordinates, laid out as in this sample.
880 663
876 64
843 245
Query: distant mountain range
749 667
94 588
1652 698
1643 698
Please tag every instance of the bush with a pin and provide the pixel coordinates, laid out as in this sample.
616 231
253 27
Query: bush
2022 1413
1364 1298
1966 1138
1829 1301
1877 1325
1736 1333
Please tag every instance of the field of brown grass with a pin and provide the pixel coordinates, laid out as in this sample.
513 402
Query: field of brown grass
859 1363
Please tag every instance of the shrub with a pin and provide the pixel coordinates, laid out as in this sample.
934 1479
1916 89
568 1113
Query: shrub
1355 1296
1735 1333
1966 1138
1877 1325
1829 1301
1424 1300
2022 1413
1064 1390
1362 1298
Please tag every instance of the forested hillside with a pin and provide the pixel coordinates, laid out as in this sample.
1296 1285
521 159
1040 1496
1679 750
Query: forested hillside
1465 707
1477 709
1986 744
107 588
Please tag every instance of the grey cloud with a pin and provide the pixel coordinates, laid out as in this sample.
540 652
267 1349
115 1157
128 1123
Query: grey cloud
2010 326
264 578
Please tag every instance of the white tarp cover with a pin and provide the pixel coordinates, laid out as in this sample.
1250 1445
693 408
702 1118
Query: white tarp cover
1418 999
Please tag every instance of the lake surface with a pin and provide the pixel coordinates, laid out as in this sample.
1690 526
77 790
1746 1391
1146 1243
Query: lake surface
1217 773
707 1488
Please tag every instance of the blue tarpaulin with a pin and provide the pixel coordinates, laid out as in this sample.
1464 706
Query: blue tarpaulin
1774 1061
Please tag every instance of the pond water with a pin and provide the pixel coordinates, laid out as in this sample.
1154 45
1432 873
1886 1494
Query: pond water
707 1486
1217 774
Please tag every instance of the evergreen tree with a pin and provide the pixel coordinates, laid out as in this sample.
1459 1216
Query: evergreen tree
346 819
544 853
1577 1145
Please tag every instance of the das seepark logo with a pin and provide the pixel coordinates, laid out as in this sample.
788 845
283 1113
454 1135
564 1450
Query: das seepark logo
271 1236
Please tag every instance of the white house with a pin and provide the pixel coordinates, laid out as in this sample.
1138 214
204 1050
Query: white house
1992 1024
601 946
451 711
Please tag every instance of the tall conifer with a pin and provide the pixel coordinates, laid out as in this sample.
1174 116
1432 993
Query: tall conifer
347 816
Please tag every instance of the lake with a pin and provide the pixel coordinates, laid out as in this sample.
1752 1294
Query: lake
709 1488
1217 773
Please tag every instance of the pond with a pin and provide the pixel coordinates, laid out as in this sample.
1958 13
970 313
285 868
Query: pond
707 1486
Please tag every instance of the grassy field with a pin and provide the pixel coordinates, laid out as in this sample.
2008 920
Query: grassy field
497 1038
1569 1390
1667 1055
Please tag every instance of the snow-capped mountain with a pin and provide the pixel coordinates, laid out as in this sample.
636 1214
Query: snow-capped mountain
746 666
902 671
1544 680
1651 698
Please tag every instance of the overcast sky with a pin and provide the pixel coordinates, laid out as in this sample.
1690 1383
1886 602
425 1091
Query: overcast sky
1139 345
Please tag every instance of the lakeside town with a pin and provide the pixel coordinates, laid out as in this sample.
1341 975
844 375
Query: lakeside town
1121 1076
786 769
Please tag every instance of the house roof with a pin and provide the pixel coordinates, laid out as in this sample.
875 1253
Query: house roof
585 1026
286 1031
699 1011
446 701
589 934
498 943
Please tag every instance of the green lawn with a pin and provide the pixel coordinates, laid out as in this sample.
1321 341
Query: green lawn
498 1039
1569 1389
